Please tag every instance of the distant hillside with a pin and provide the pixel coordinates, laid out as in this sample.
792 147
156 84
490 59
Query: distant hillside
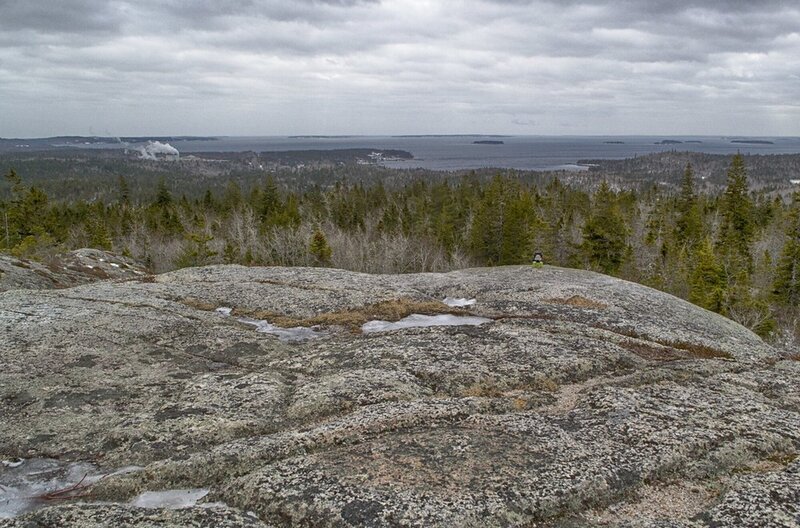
763 170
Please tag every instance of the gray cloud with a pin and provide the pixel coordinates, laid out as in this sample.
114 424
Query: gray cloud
399 66
72 16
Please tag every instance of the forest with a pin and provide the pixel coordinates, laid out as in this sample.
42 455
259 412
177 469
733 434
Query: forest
733 248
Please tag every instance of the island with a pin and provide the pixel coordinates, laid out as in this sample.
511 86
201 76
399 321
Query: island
487 142
753 141
669 142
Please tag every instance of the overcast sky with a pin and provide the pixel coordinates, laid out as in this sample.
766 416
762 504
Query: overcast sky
283 67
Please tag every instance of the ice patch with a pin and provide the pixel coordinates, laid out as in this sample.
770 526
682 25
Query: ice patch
170 499
113 264
25 484
458 302
422 321
287 335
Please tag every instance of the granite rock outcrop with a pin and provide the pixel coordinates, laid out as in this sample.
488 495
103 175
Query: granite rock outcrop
583 400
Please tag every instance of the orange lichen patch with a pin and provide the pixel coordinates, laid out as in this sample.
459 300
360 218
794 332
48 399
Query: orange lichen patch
520 404
578 301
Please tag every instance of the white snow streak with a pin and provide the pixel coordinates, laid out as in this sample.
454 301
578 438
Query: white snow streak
422 321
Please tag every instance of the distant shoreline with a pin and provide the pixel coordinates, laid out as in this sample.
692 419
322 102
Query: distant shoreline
753 141
434 152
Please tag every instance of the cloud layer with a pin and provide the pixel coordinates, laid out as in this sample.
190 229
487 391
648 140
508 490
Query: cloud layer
265 67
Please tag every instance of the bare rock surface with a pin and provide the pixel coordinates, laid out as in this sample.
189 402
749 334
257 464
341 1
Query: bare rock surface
77 267
585 401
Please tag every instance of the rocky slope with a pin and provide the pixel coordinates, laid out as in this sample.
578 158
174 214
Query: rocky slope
63 271
581 400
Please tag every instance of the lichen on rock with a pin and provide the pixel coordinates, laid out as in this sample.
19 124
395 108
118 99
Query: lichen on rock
579 399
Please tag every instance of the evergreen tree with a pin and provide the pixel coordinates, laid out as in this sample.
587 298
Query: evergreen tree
605 233
517 235
688 225
208 201
707 280
124 191
270 203
99 235
230 254
25 218
195 251
232 197
320 249
486 232
163 196
786 288
737 230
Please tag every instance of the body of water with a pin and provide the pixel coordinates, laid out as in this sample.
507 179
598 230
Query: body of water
517 152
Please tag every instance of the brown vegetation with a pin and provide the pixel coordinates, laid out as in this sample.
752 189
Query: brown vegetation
697 351
644 346
649 351
579 301
354 318
198 304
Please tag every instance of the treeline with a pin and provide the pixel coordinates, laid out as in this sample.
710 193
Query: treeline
93 174
771 171
733 252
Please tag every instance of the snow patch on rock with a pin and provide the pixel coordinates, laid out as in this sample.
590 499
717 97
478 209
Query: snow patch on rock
24 483
169 499
458 302
287 335
422 321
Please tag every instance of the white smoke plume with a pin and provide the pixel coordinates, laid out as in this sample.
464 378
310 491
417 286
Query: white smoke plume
153 148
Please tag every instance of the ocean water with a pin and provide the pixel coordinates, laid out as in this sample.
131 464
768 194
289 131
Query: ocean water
516 152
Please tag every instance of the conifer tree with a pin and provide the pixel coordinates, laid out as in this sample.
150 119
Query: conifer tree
688 223
99 235
163 196
605 233
486 231
320 249
196 251
707 280
25 215
516 233
737 229
786 288
269 206
124 191
232 197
